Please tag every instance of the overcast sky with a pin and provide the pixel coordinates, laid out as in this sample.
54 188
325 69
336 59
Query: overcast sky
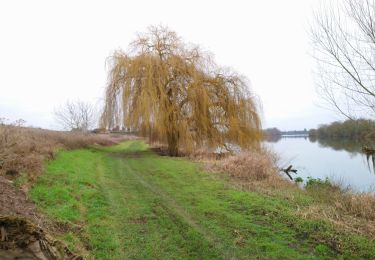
53 51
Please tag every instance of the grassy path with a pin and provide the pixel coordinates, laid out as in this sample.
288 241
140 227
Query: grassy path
124 202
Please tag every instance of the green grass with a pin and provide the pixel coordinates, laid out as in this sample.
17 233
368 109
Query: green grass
134 204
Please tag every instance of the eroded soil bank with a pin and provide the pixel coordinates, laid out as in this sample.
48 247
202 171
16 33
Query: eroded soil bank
22 234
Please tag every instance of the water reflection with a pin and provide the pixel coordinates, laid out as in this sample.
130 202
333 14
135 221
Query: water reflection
370 157
350 146
341 160
276 138
353 147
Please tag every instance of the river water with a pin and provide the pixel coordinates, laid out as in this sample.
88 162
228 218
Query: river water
340 161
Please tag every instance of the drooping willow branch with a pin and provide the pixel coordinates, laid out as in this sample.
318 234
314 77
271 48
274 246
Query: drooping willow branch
176 94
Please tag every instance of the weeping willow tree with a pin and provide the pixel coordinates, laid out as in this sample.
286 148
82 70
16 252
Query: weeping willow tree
175 94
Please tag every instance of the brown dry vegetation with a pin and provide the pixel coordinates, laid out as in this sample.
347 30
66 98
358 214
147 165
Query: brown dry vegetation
342 207
248 166
257 171
253 169
23 153
23 150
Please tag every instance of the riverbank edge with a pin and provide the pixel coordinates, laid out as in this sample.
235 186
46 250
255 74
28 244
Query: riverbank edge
340 232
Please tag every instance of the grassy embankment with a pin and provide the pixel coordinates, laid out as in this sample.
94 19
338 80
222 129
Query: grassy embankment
125 202
23 150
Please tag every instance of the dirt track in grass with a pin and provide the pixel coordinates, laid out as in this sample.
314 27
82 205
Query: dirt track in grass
127 202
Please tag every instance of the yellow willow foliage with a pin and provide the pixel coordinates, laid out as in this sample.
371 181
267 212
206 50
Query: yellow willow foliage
175 94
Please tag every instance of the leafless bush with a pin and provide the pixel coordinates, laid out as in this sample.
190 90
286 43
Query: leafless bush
78 116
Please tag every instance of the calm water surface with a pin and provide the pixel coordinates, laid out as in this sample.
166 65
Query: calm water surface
338 160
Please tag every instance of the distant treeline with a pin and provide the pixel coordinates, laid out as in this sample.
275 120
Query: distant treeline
276 132
349 129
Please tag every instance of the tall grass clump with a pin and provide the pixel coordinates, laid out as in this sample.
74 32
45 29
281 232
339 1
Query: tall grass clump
360 205
250 168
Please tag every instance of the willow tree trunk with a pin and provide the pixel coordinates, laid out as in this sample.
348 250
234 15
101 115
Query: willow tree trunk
172 138
172 134
169 89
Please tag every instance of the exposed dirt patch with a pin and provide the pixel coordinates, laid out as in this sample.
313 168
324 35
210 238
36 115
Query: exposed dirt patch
21 239
14 202
20 234
162 151
130 154
140 220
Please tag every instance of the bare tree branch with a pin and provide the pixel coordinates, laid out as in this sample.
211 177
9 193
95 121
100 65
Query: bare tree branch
78 116
343 36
